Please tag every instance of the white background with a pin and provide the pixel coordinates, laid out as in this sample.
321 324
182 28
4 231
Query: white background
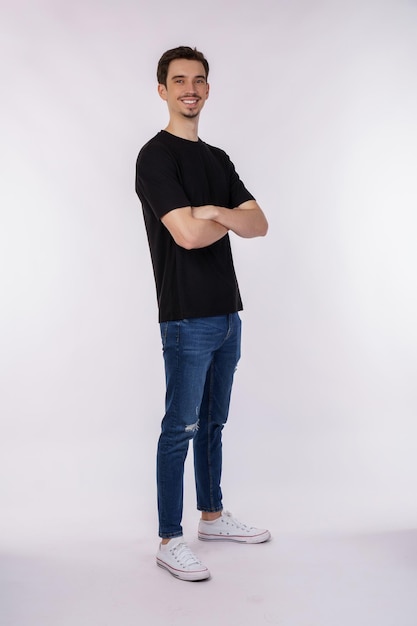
315 101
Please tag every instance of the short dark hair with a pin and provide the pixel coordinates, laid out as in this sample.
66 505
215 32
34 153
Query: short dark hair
182 52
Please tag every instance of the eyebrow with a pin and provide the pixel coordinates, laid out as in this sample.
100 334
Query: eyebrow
183 76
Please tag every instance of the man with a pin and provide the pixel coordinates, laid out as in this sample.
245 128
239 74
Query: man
191 197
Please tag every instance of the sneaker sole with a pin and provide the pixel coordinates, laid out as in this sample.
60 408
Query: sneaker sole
189 576
262 538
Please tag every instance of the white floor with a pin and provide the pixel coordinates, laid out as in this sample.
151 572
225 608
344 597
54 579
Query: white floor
294 580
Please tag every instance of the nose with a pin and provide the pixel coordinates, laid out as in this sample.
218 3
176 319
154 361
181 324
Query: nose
190 87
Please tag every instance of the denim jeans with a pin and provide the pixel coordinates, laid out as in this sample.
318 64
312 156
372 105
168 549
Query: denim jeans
201 355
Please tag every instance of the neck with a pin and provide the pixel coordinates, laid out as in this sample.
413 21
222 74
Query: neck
184 128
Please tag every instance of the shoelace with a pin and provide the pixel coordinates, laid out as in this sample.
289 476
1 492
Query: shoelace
235 521
184 555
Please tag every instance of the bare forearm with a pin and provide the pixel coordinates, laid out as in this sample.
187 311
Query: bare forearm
203 233
245 222
191 233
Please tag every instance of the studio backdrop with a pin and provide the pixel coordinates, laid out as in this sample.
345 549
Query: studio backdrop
315 102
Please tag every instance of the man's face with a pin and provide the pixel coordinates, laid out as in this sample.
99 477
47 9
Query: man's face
186 90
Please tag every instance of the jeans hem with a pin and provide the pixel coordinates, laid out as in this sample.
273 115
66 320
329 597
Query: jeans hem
171 536
210 510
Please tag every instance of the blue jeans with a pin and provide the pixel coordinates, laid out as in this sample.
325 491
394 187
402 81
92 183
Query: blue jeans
201 355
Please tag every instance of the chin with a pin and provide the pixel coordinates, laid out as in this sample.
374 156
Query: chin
190 115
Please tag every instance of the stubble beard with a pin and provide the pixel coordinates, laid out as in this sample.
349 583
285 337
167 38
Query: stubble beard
190 115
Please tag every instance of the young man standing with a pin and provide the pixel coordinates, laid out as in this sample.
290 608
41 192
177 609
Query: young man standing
191 197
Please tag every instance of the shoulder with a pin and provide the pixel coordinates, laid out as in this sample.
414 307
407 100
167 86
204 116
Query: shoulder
216 151
156 151
153 145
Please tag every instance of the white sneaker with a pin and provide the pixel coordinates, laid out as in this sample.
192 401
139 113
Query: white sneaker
227 528
180 561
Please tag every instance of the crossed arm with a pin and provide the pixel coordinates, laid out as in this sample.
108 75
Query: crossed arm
198 227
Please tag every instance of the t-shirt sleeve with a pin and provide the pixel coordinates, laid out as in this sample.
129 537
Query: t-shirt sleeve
238 191
157 181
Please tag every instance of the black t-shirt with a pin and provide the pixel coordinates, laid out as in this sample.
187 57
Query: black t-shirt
172 172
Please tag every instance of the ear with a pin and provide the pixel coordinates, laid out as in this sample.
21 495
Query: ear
207 91
162 90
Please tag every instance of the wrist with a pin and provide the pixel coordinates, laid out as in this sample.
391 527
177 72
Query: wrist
217 212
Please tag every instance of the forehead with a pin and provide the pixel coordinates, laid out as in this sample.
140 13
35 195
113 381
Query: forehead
186 67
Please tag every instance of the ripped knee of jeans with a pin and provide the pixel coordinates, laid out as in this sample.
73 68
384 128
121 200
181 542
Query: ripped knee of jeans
192 428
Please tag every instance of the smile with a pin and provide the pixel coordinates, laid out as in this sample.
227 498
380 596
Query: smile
189 101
